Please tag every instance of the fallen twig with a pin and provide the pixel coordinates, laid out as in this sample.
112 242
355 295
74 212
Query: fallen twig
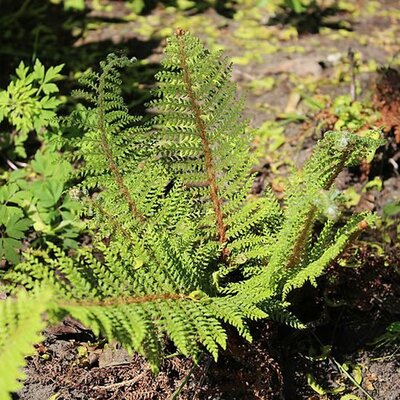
123 383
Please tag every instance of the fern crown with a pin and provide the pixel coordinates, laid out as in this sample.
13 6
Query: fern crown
180 248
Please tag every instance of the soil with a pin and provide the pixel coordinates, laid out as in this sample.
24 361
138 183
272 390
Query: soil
352 305
388 100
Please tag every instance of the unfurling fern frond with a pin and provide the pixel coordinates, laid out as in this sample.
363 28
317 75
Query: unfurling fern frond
299 253
296 277
21 321
336 151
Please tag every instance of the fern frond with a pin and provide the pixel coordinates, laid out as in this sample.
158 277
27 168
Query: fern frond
200 129
21 322
276 309
294 256
137 303
188 322
112 141
297 277
171 216
336 151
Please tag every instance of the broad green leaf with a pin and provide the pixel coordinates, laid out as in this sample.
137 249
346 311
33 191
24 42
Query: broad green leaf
50 164
38 71
50 88
21 71
391 209
8 192
357 374
17 226
6 212
14 226
48 192
53 73
9 248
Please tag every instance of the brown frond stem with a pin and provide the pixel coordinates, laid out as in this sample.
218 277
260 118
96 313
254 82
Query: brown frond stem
125 300
299 246
209 163
345 156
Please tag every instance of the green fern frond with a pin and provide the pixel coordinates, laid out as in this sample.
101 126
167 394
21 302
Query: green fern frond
132 303
186 321
276 309
297 254
200 130
336 151
298 276
20 325
112 142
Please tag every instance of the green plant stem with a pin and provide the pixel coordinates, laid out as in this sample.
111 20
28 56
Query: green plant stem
16 15
386 357
350 377
125 300
344 372
184 381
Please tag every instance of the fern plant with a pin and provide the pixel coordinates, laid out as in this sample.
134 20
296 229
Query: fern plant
180 249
